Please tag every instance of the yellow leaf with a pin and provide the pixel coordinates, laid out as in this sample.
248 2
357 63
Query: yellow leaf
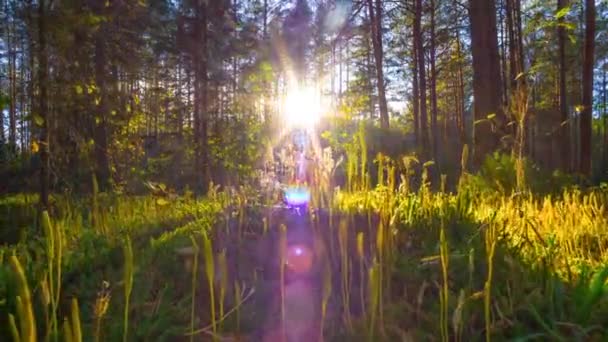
38 120
35 147
162 202
78 89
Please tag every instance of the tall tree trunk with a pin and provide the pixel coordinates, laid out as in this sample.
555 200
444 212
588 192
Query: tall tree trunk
512 46
563 104
588 64
42 107
204 102
375 15
415 92
434 132
100 136
369 69
503 53
486 77
461 104
12 74
605 116
418 39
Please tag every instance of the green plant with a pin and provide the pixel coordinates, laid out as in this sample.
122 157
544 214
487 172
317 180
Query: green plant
25 330
210 272
128 284
194 285
54 252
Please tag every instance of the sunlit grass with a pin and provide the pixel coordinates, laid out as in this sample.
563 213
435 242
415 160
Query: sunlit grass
452 266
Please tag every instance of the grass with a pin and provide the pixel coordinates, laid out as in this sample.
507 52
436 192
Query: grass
465 266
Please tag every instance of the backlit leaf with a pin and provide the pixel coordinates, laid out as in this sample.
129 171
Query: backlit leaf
162 202
562 12
38 120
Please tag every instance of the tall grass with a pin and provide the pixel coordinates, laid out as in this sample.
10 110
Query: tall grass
25 329
54 252
345 271
128 284
210 273
194 286
282 265
444 294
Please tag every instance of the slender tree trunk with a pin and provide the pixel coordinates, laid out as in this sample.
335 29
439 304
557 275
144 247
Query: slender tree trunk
368 52
486 78
375 15
12 74
512 46
605 116
100 136
418 38
588 64
415 92
503 54
461 104
434 132
22 101
563 104
204 103
42 107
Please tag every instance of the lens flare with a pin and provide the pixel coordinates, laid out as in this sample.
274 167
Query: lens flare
297 196
299 259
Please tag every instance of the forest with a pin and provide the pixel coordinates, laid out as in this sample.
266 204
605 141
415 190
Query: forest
303 170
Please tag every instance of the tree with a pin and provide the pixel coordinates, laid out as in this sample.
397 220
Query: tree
420 58
588 65
486 78
296 31
563 104
43 140
375 15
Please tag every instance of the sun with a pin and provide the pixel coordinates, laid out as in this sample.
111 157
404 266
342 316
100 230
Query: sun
302 107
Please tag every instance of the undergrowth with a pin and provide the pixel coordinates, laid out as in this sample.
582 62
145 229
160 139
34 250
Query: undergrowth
474 264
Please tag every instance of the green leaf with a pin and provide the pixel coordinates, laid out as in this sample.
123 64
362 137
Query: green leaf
562 12
78 89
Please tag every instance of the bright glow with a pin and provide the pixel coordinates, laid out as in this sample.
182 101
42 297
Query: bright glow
297 196
302 107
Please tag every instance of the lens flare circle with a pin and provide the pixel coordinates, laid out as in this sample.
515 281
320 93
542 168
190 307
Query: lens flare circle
299 258
297 196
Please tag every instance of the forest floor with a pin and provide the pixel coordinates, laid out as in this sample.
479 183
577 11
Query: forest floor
389 265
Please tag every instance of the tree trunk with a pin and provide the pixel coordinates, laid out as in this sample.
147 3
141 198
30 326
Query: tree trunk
42 107
12 74
461 104
370 90
434 132
418 39
100 136
204 104
588 63
415 93
503 54
563 104
375 16
486 78
605 117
